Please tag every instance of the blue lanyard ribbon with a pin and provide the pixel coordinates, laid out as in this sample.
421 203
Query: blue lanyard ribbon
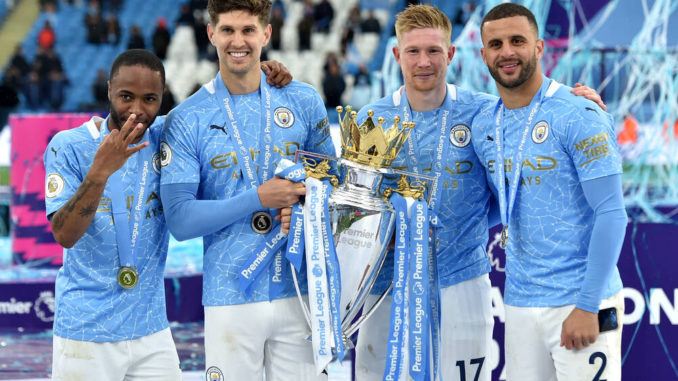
247 167
504 209
441 147
126 242
263 256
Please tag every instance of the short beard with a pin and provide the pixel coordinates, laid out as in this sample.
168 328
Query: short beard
116 119
526 73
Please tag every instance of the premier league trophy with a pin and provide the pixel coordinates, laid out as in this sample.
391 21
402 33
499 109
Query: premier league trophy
347 226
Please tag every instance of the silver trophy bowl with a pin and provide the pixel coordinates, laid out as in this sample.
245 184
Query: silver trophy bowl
362 223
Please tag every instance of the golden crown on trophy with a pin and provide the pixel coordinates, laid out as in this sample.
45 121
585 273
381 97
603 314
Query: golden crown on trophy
368 143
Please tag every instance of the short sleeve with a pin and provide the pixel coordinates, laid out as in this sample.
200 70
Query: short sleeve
319 139
62 173
590 143
179 154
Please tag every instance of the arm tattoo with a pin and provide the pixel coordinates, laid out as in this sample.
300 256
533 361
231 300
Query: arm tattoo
87 210
62 214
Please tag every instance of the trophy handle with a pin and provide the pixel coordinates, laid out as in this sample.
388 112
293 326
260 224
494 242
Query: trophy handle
304 307
351 330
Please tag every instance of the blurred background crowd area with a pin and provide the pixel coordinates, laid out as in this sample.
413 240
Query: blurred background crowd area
55 56
60 51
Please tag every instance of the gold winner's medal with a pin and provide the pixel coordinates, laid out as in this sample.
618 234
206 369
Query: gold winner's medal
262 222
127 277
503 240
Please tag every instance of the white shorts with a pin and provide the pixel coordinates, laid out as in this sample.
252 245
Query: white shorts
152 357
244 341
533 350
466 334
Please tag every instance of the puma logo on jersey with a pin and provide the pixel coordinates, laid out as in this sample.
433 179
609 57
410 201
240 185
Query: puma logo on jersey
591 109
222 128
489 138
53 150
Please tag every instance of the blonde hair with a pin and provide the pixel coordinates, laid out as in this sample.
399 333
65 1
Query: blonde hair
421 17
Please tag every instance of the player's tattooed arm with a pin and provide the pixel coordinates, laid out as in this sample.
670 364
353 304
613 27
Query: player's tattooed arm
71 221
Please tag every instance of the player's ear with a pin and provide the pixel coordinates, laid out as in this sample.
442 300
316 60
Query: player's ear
396 53
210 32
539 48
450 53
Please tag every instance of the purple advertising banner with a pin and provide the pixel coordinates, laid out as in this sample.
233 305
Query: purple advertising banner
648 264
30 304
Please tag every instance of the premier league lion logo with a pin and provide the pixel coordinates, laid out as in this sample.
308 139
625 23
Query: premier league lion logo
54 186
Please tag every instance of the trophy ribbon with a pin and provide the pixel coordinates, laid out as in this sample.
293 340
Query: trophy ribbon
316 268
419 302
262 258
294 251
434 286
287 170
333 276
269 252
396 336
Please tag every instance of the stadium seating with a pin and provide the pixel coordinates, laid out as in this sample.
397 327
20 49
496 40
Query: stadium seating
82 60
185 69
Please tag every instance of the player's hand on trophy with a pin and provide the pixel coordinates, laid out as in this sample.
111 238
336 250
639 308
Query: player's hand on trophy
115 150
580 329
582 90
285 217
276 73
278 193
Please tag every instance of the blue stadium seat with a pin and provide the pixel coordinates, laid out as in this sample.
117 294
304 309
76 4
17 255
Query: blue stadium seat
82 60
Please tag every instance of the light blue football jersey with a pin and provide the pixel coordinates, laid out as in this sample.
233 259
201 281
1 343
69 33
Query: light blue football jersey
464 198
202 151
90 305
569 140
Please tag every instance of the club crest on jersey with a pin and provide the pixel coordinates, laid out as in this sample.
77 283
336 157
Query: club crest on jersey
165 155
54 185
460 135
214 374
283 117
540 132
